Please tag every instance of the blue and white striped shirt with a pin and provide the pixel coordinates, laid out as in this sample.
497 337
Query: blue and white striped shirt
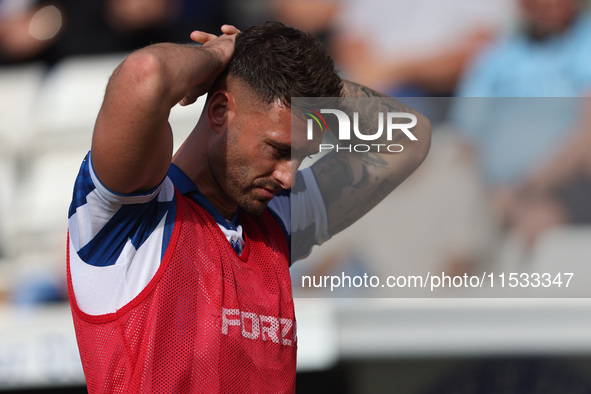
118 241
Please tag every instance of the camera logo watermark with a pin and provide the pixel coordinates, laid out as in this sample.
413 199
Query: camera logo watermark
388 122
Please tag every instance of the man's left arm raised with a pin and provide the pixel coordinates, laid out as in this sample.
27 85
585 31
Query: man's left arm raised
353 181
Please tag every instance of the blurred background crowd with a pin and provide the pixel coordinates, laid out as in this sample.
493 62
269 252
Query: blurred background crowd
507 184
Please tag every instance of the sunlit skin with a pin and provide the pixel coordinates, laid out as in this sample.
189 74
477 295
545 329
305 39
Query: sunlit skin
252 161
251 155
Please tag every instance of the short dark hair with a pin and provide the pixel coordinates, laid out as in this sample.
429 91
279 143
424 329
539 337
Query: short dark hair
280 62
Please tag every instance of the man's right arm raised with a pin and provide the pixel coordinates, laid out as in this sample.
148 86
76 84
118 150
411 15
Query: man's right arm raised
132 141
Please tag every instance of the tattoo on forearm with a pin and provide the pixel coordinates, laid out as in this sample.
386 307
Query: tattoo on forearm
352 183
336 172
333 174
352 89
373 159
367 108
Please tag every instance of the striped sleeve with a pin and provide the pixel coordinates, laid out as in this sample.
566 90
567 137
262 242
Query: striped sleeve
116 241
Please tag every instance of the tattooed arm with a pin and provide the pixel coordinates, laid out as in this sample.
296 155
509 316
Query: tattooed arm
352 183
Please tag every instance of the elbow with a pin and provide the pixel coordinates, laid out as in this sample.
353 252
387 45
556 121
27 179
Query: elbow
141 75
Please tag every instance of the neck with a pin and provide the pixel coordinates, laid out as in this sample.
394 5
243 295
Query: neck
192 159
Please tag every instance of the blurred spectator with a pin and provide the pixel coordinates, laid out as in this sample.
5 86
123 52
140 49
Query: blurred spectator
314 16
27 28
414 47
534 153
548 56
53 29
246 13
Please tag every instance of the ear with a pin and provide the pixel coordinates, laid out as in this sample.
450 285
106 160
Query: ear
220 109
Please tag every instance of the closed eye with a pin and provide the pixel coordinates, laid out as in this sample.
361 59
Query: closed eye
280 152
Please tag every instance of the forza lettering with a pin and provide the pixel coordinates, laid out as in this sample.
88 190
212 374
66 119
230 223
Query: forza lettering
254 326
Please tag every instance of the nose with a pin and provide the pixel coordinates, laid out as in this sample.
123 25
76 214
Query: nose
284 173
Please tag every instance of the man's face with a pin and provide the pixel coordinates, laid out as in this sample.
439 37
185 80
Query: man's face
257 158
549 16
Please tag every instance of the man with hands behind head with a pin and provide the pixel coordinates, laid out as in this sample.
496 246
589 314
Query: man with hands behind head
178 266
